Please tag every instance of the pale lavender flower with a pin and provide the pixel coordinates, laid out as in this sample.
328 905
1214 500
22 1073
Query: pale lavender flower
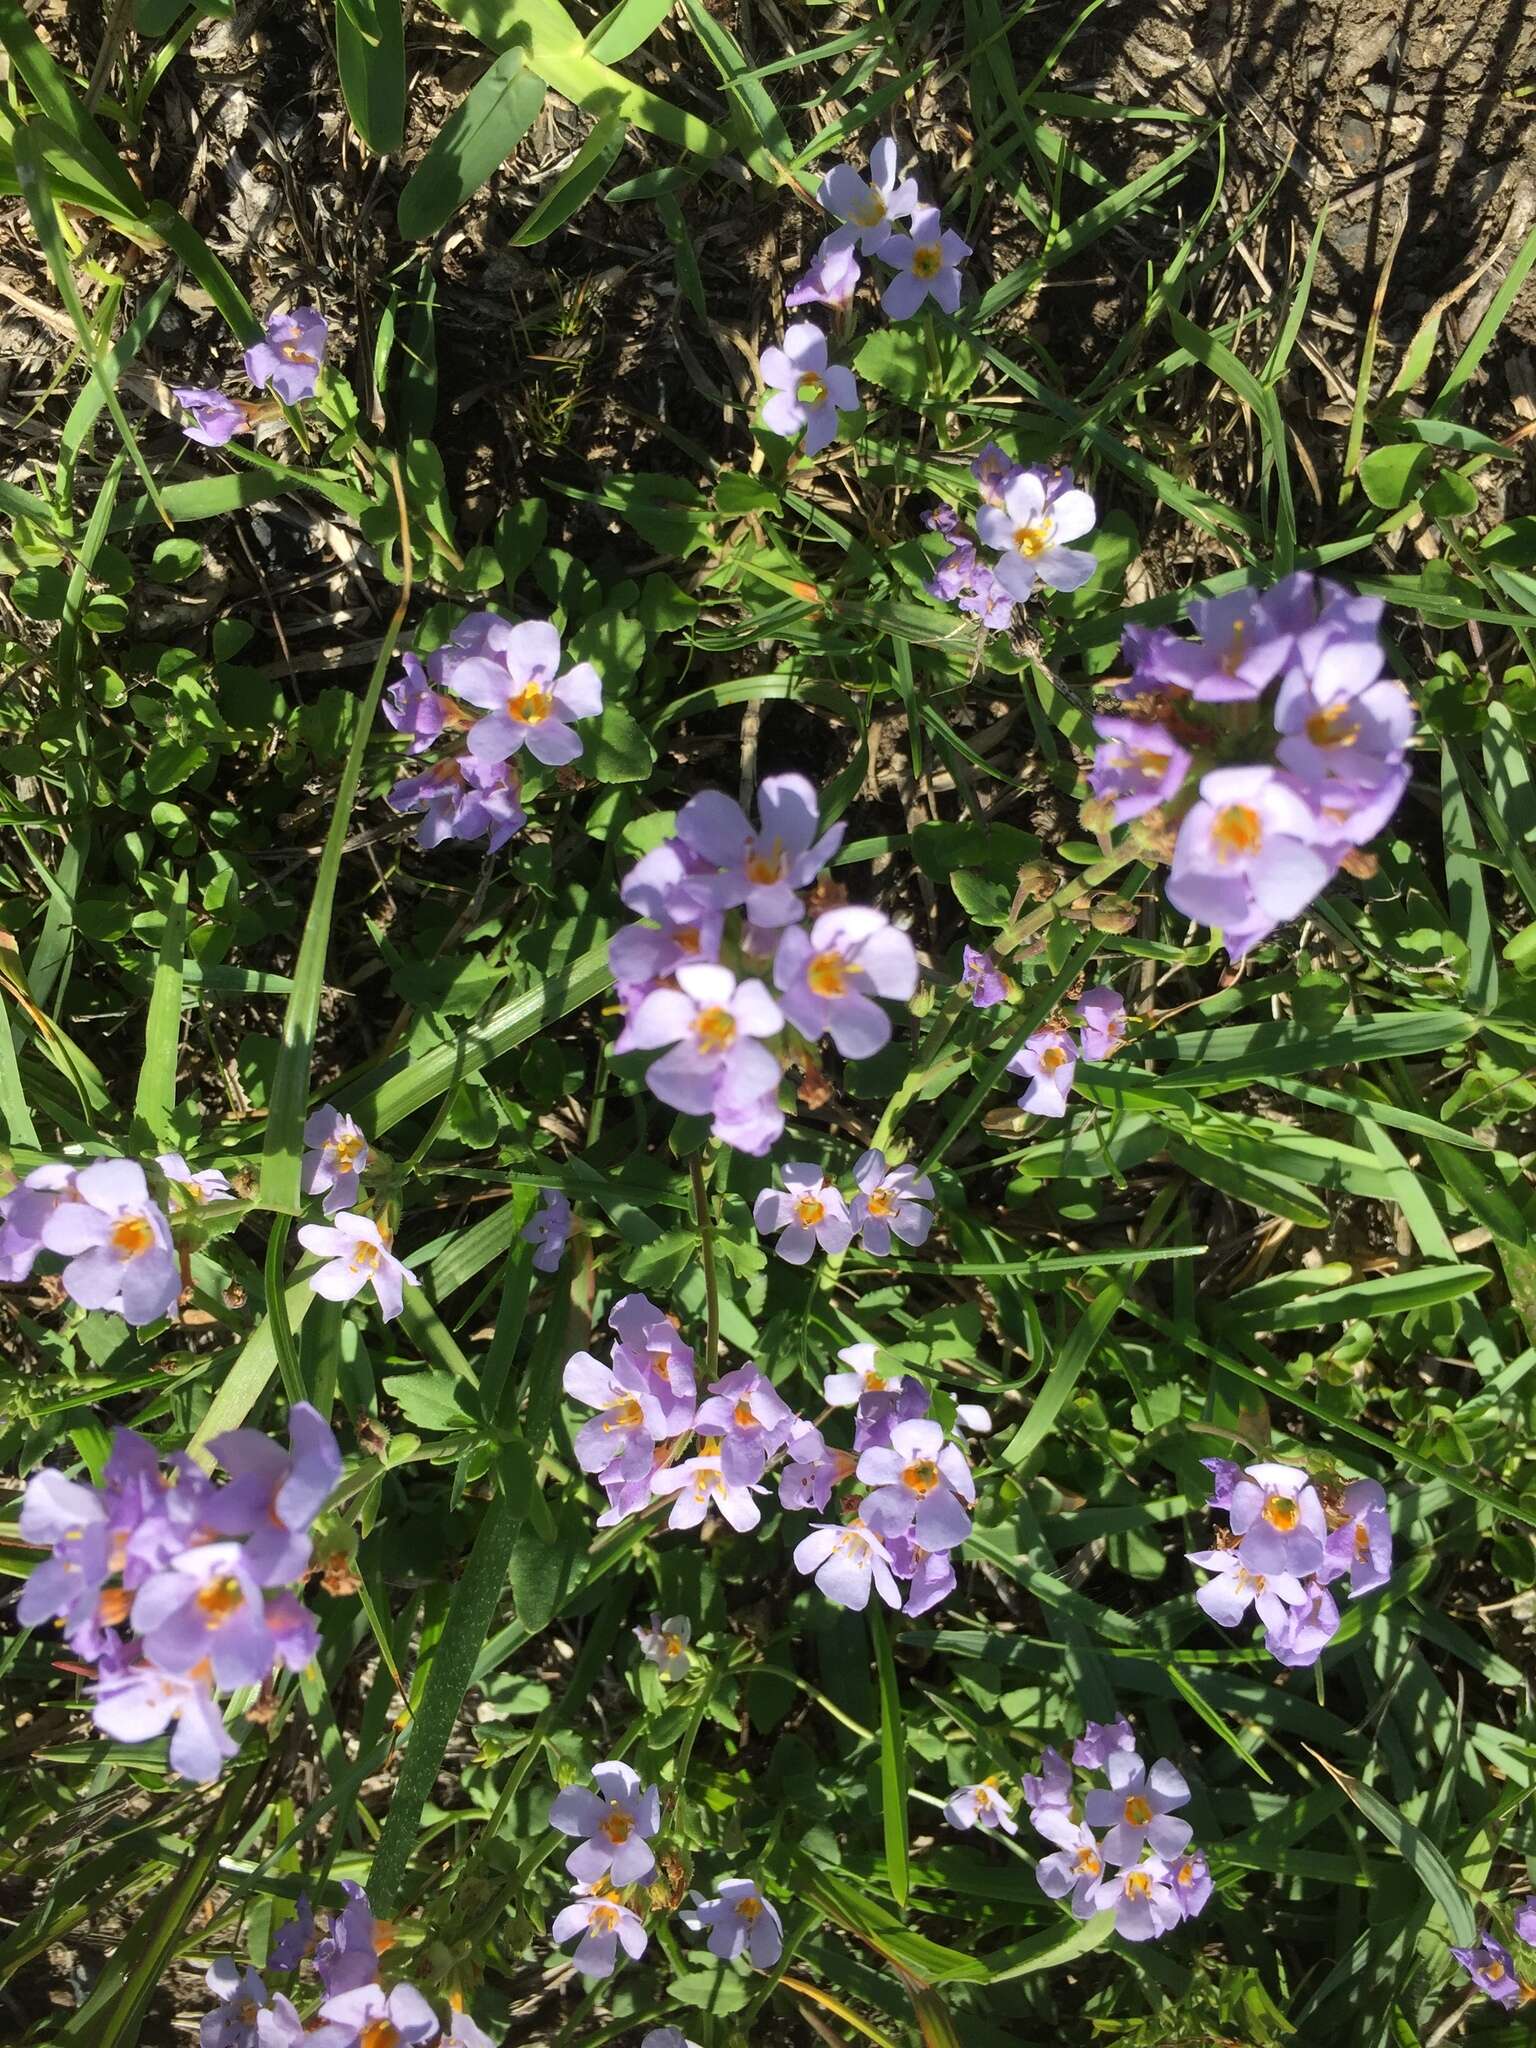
1076 1870
890 1201
807 1211
605 1925
1103 1023
1100 1740
275 1495
293 1634
879 1411
1244 641
1032 528
831 280
982 981
205 1606
927 265
760 868
981 1806
214 417
660 885
281 2027
1190 1883
400 2018
811 1471
118 1244
666 2037
827 977
1244 859
956 573
844 1561
699 1484
1050 1788
242 1998
1359 738
738 1918
1278 1513
548 1228
714 1024
920 1483
412 705
337 1155
1306 1631
516 681
665 1644
348 1958
207 1186
748 1122
1227 1597
989 600
847 1389
615 1824
357 1255
629 1492
1492 1969
139 1701
463 2033
1137 1807
994 471
23 1212
70 1520
869 207
1142 1899
653 1344
290 355
804 389
1135 766
463 798
1224 1476
1361 1546
930 1574
295 1939
1048 1061
629 1419
750 1420
1525 1922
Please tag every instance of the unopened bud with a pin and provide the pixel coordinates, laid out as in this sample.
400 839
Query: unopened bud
1037 880
1362 865
1111 915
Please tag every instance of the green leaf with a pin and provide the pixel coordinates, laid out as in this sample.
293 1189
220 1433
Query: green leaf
370 57
576 185
429 1400
1390 476
893 1760
620 750
903 361
1416 1849
472 143
625 27
156 1096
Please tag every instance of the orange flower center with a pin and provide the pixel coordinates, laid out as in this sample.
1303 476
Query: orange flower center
1137 1811
1362 1540
673 1645
133 1236
530 705
828 974
1281 1513
742 1415
882 1203
112 1608
686 939
766 867
1333 727
715 1029
345 1152
1033 540
660 1367
219 1599
1053 1057
809 1211
921 1476
618 1827
605 1919
749 1909
1137 1884
1087 1863
811 390
1236 832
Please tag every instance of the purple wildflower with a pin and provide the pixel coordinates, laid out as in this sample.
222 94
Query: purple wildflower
242 1999
653 1343
1143 1902
750 1420
605 1924
23 1213
1031 529
666 2037
516 681
845 1560
738 1918
1190 1882
548 1228
1137 1807
1227 1597
805 390
763 868
463 798
1076 1870
980 1806
994 471
205 1607
275 1495
1135 766
281 2027
665 1644
807 1211
1103 1023
412 705
1244 859
214 417
400 2018
921 1483
699 1484
615 1824
1048 1061
714 1024
831 280
930 1574
1244 641
357 1255
1525 1922
811 1470
1278 1513
822 976
629 1421
982 981
1050 1788
140 1701
1362 1545
337 1155
194 1188
290 356
869 207
1306 1631
70 1520
348 1958
1492 1969
847 1389
1224 1476
890 1199
989 600
295 1939
927 265
956 573
1100 1740
118 1244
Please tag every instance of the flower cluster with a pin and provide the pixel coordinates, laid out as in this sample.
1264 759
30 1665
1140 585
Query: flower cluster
613 1860
113 1235
509 673
1048 1058
355 1248
982 979
1028 518
356 2010
1143 1866
1494 1970
1257 840
806 392
914 1514
285 361
691 978
178 1590
809 1210
1288 1541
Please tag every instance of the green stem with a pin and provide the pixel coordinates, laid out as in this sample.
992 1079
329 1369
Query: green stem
706 1229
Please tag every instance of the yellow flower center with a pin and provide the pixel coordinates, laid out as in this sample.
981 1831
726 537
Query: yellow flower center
345 1152
827 974
1053 1057
686 939
625 1414
1030 541
530 705
1234 653
248 2011
1088 1865
1362 1540
1137 1811
928 260
1333 728
882 1203
133 1236
605 1919
1237 831
809 1211
869 212
921 1476
1493 1970
715 1030
875 1383
1137 1884
219 1599
365 1258
764 868
672 1645
1281 1513
661 1367
618 1827
749 1909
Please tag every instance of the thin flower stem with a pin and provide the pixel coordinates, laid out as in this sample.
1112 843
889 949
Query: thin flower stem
706 1229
